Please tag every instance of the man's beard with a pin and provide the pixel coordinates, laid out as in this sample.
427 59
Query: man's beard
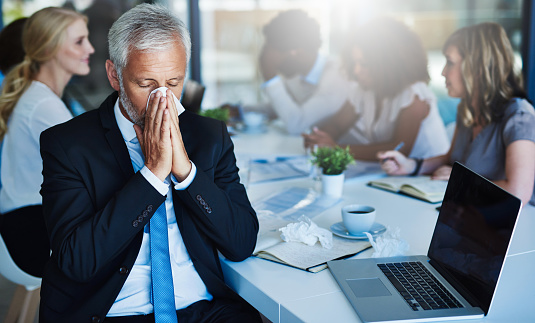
128 106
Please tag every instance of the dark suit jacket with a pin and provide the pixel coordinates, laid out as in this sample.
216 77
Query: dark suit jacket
95 209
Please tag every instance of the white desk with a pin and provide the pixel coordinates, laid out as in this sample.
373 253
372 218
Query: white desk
286 294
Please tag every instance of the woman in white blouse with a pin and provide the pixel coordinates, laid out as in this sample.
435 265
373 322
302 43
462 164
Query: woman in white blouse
56 44
390 102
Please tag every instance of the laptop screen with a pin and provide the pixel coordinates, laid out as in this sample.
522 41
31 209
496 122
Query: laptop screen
472 234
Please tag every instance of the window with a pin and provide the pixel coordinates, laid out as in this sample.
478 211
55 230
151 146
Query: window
231 35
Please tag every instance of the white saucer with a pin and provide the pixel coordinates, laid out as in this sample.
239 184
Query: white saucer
250 130
340 230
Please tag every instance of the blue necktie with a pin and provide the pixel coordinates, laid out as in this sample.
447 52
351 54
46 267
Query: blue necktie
162 291
163 296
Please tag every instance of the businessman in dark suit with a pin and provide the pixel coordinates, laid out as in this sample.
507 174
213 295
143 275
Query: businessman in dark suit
107 172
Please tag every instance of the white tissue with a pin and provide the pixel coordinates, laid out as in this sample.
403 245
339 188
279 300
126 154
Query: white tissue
163 89
388 244
307 232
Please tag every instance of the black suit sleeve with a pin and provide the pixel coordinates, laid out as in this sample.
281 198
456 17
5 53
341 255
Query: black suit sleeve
84 236
220 206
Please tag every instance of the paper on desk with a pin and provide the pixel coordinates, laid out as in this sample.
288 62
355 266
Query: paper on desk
389 244
312 258
293 202
268 233
265 169
279 209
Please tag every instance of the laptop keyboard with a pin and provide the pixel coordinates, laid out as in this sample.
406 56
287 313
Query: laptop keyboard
420 288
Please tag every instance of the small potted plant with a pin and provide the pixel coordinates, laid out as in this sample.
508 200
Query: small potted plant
333 161
221 114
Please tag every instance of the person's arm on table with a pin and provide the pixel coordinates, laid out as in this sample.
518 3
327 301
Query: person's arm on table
397 163
407 128
329 96
299 117
338 124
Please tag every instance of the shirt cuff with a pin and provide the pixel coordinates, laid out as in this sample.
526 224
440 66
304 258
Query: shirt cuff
160 186
179 186
272 80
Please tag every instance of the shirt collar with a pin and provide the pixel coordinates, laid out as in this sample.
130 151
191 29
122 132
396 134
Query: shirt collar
125 126
313 77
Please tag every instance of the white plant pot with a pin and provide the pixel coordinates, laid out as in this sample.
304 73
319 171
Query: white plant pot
333 185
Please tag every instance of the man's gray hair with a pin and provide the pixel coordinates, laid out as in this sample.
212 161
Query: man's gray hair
145 27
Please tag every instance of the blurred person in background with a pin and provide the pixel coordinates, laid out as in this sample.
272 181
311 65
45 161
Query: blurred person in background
102 14
495 127
56 46
390 102
11 50
303 86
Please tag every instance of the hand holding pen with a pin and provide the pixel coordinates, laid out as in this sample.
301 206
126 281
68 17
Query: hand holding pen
394 162
397 148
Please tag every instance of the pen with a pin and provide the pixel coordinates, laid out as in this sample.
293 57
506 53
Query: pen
397 148
277 159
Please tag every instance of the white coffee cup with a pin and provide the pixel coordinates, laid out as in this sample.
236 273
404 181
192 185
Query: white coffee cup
253 119
358 218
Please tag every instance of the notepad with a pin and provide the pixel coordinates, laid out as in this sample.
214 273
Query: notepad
311 258
279 209
421 187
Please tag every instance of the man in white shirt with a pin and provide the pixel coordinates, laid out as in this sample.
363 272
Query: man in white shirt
303 87
138 158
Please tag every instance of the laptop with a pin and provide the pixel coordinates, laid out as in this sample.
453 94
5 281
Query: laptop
457 278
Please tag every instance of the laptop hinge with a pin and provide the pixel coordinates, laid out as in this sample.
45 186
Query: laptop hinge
458 286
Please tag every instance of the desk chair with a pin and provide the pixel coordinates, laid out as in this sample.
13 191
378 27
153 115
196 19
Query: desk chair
26 299
192 95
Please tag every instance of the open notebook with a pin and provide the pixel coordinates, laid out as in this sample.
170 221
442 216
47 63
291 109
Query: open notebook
421 187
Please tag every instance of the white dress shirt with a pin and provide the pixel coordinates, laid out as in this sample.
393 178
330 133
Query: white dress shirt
431 140
304 100
134 297
38 109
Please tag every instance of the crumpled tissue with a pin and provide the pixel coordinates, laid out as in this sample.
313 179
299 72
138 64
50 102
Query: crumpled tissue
307 232
389 244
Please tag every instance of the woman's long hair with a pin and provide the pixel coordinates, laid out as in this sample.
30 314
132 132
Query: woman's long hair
487 71
42 37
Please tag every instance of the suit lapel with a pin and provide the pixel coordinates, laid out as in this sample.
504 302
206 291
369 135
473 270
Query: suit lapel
185 125
113 135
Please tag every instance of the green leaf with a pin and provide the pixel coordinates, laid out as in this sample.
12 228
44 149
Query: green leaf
217 113
332 160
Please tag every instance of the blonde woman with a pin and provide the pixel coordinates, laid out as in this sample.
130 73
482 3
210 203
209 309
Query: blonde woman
495 129
56 46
